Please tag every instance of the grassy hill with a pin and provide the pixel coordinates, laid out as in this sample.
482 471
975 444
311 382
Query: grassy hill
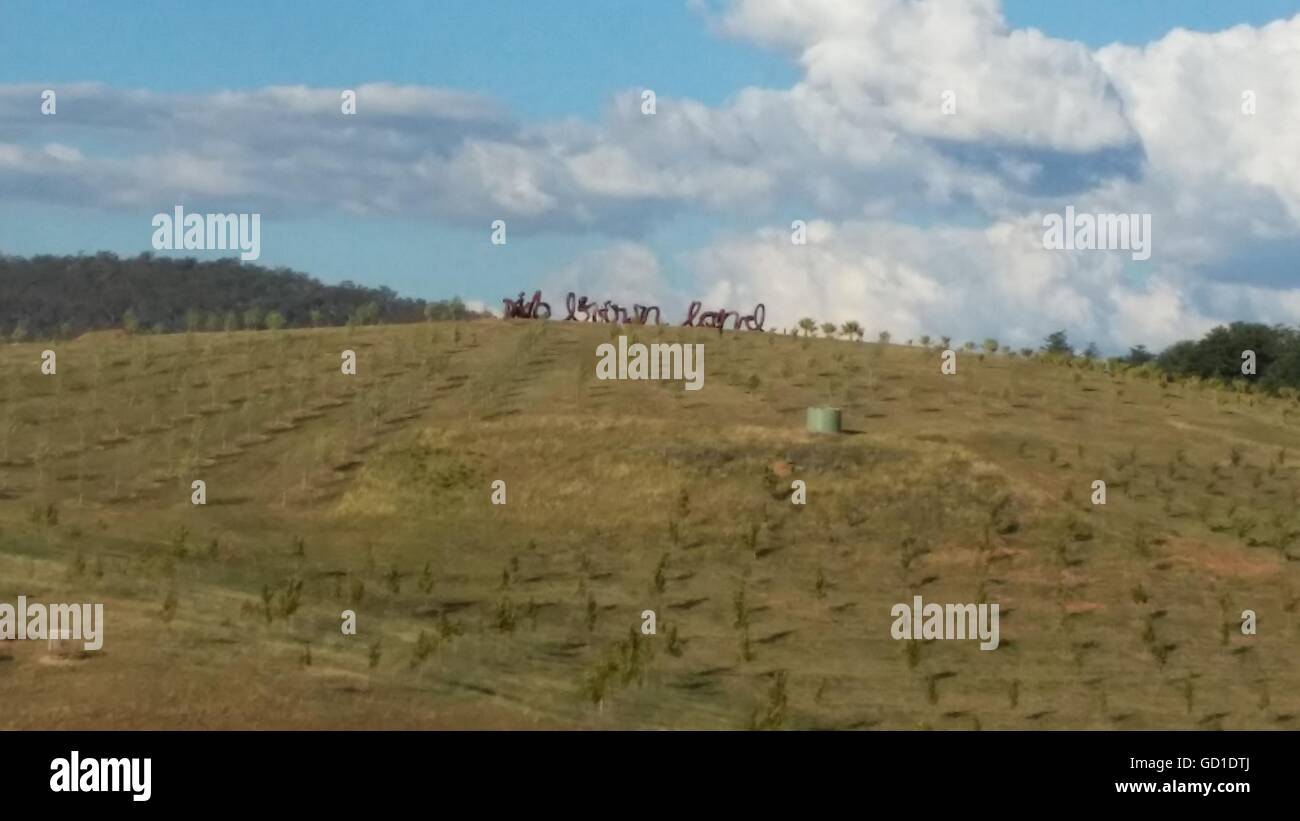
372 492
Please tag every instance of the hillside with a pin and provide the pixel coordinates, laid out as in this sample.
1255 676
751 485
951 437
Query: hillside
47 297
372 492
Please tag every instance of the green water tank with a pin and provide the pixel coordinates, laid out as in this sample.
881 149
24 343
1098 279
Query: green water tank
823 420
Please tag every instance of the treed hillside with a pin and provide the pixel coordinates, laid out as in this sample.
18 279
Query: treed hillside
1244 355
1218 355
61 296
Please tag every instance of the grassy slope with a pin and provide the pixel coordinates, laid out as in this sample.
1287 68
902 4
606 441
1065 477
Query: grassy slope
628 496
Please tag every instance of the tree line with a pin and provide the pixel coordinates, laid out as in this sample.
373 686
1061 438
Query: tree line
1220 356
1217 357
45 297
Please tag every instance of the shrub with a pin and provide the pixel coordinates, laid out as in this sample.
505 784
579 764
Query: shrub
424 647
772 715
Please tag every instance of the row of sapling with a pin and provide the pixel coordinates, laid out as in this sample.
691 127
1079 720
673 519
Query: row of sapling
253 318
851 330
625 662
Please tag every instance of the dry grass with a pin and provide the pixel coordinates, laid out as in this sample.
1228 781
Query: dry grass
372 492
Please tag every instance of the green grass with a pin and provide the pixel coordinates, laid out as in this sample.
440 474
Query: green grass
372 492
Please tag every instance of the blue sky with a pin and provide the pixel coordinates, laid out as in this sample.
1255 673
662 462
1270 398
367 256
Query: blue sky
546 64
542 59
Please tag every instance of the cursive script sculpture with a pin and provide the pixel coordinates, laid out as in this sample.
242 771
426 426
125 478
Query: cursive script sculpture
533 309
718 319
584 309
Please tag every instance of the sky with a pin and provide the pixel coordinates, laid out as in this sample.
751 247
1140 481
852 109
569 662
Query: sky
920 219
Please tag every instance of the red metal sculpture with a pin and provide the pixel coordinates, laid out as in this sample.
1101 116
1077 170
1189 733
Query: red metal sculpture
579 305
516 308
643 313
718 319
583 309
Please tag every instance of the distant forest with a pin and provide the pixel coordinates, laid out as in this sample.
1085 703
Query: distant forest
46 297
1219 357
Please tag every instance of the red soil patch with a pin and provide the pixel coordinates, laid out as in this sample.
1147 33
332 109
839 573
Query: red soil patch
1224 562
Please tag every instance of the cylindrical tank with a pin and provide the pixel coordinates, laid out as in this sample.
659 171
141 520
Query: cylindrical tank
823 420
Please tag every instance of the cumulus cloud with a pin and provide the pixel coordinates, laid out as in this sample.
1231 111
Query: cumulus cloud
922 219
965 283
893 61
1162 130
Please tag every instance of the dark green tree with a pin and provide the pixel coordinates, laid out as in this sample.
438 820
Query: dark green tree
1057 344
1139 355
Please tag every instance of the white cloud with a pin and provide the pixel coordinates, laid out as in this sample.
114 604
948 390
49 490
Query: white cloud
1183 94
625 273
892 60
920 222
963 283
